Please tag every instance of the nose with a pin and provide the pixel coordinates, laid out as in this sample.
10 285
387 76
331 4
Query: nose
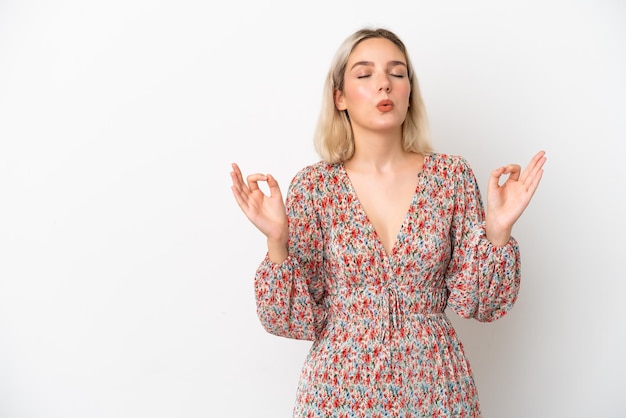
384 84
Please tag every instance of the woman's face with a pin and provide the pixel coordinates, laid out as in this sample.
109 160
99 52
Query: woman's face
376 87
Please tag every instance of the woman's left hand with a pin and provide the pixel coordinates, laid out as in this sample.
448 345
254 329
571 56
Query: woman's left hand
507 202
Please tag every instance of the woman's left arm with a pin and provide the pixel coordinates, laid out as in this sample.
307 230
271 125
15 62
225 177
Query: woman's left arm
483 276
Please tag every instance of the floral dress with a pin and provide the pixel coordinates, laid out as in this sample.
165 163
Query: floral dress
382 344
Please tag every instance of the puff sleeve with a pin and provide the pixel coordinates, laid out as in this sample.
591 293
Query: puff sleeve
483 280
289 295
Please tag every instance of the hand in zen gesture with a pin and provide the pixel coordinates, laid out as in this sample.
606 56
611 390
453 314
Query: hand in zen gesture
507 202
267 213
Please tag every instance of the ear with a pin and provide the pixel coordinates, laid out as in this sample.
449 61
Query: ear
340 102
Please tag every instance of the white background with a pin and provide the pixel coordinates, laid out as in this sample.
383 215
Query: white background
126 267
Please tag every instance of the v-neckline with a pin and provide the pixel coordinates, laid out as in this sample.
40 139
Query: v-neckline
368 222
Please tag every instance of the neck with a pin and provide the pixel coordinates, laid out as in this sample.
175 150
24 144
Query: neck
378 150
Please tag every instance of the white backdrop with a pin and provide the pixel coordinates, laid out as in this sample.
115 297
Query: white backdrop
126 267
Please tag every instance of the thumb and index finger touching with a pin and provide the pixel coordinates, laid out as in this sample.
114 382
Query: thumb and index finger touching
532 173
251 182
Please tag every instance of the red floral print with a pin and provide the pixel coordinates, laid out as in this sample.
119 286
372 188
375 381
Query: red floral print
382 343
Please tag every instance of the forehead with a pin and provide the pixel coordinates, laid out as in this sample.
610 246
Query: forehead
376 49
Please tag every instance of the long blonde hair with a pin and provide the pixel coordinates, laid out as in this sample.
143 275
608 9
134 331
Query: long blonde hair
334 139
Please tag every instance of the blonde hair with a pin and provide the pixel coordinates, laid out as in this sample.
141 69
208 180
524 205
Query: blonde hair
334 139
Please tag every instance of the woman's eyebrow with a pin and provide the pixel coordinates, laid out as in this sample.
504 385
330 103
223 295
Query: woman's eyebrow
365 63
396 63
371 64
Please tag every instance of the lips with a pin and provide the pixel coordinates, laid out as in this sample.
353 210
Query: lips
385 105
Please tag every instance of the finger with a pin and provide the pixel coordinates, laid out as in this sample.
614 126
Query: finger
253 181
273 185
239 185
236 172
240 192
533 177
239 198
237 182
494 178
513 170
538 155
235 167
532 187
535 164
240 189
236 177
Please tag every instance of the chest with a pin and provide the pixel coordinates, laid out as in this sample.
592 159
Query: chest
354 251
385 203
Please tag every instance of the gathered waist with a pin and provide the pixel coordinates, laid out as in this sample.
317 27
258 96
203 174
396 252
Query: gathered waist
386 313
370 301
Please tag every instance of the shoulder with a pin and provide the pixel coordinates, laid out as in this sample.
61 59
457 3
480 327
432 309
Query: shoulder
316 176
446 164
317 171
319 168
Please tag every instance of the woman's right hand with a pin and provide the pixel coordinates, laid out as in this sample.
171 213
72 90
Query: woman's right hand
267 213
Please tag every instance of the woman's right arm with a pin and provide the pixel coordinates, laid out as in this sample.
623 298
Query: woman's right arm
289 290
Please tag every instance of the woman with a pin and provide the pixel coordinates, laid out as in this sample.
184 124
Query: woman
376 240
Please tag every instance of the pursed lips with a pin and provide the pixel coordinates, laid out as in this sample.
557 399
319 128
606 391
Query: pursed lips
385 105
